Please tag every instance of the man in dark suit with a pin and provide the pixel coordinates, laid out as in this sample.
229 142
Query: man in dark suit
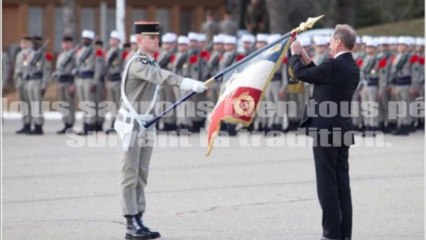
327 119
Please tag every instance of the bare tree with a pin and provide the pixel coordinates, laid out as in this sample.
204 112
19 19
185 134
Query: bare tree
69 17
278 15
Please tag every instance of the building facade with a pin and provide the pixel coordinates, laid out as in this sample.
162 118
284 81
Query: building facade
43 17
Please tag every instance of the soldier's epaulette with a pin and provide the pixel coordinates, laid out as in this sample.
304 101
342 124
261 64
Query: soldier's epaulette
145 59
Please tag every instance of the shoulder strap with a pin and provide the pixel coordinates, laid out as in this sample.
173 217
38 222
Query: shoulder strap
126 102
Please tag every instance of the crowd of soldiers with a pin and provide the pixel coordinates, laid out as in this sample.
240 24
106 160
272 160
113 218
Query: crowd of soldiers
391 70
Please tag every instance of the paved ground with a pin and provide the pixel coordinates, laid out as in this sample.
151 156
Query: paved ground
58 187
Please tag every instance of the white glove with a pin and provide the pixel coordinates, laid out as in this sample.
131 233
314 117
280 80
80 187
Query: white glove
194 85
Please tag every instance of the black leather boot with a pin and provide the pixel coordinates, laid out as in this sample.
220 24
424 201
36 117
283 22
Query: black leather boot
25 129
134 230
38 130
152 234
64 130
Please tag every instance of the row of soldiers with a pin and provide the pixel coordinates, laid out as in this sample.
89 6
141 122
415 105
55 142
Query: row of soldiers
391 69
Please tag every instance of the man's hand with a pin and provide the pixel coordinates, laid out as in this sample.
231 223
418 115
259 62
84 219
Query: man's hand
71 90
194 85
296 48
92 87
42 92
282 93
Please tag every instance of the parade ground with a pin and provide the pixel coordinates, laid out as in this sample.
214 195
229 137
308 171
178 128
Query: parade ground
251 187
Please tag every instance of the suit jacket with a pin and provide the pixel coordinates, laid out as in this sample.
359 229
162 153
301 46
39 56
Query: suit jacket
335 81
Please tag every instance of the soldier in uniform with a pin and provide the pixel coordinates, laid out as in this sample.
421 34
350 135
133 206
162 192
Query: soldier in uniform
213 67
100 89
167 93
113 68
142 77
358 56
420 51
133 48
37 73
385 63
21 62
248 42
228 26
65 83
403 84
369 75
228 58
210 27
88 75
192 70
179 67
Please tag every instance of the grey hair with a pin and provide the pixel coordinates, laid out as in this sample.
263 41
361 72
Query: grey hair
345 33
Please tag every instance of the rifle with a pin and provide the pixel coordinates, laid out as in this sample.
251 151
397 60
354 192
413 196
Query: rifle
69 57
39 53
111 59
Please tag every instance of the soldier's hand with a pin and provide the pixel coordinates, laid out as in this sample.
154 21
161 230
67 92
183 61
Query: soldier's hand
71 90
414 92
92 87
282 93
43 91
194 85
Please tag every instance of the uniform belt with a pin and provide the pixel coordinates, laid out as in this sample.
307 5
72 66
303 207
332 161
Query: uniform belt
402 80
142 118
35 76
373 82
66 78
86 74
115 77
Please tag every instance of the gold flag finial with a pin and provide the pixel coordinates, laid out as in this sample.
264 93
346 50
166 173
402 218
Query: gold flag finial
308 24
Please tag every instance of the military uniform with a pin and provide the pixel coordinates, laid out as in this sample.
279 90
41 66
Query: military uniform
357 119
87 78
403 72
369 75
21 62
37 74
385 65
167 93
179 67
65 87
141 82
113 68
213 68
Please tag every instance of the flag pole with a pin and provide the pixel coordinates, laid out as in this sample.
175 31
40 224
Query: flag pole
302 27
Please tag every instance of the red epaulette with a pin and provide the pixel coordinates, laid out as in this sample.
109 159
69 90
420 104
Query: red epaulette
48 56
422 60
382 63
193 59
172 58
359 62
205 55
414 58
99 52
285 60
239 57
124 54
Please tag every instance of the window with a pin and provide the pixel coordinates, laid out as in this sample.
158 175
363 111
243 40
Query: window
163 16
59 28
35 21
186 21
87 19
